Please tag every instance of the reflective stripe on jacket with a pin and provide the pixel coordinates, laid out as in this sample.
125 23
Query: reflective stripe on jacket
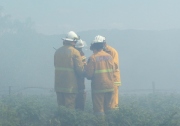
99 70
114 54
68 65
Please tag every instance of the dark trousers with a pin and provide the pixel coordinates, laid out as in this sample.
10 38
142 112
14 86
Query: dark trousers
80 101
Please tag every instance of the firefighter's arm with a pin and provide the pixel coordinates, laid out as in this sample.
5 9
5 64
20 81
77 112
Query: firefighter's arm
89 69
116 60
78 64
117 69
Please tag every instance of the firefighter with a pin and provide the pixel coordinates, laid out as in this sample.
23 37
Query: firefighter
68 65
81 96
99 70
117 80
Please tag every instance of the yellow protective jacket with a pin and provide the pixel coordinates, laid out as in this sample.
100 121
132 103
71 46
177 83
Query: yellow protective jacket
99 70
114 54
68 65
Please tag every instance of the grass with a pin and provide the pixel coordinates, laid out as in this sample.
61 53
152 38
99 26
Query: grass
135 110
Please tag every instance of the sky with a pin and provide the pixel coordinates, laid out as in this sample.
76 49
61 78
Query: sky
60 16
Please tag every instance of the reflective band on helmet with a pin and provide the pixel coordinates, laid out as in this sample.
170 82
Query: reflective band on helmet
63 69
104 71
101 91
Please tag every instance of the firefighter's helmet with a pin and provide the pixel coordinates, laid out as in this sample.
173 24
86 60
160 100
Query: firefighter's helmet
71 36
80 44
99 39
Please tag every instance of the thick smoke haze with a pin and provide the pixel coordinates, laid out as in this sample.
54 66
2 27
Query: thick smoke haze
146 35
59 16
145 57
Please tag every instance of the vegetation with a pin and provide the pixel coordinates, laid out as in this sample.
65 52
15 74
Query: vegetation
135 110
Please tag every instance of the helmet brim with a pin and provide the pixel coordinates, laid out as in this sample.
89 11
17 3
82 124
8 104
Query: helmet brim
68 39
79 46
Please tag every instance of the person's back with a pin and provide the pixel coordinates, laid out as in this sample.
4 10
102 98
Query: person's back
117 80
99 70
68 65
110 50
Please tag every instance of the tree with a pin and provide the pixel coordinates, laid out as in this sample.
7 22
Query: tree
9 26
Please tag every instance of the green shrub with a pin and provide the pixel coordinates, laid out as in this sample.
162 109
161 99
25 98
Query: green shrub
135 110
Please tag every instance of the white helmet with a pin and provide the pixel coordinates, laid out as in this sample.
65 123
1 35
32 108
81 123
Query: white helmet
99 39
80 43
71 36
